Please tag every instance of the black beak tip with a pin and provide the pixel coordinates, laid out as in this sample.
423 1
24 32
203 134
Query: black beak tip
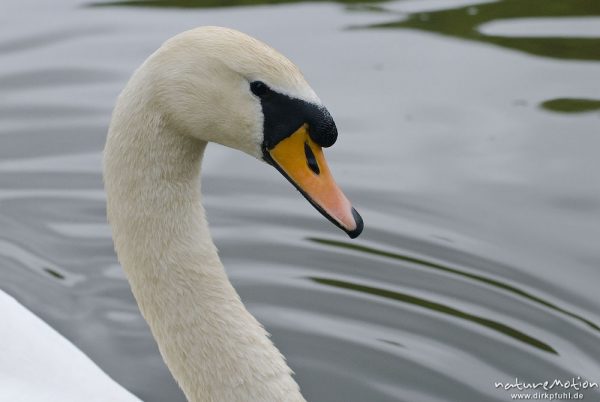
359 225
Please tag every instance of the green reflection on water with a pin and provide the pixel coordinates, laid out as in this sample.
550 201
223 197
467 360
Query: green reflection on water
571 105
496 326
459 22
463 23
54 273
479 278
214 3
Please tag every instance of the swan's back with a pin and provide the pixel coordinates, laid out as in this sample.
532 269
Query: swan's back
38 364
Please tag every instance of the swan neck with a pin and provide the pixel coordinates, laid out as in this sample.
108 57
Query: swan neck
213 346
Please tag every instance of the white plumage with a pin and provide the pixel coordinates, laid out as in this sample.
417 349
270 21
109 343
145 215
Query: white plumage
38 364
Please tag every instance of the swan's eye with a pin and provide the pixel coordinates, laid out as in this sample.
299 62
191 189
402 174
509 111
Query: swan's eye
259 88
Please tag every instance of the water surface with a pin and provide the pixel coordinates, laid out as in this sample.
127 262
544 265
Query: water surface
468 141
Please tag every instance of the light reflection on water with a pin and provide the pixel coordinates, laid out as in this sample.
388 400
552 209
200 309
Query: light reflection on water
472 155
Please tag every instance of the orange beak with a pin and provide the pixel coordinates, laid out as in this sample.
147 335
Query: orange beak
302 162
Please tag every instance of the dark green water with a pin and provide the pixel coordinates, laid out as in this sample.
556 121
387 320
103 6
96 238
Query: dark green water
469 137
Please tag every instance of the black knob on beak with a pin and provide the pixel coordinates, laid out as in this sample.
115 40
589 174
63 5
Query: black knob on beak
321 127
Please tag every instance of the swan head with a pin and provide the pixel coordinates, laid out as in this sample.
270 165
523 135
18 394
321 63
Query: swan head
223 86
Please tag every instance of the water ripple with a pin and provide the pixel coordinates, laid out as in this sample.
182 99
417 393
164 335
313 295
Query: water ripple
47 38
405 298
479 278
35 263
55 77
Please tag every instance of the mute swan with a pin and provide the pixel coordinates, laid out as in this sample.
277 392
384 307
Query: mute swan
209 84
